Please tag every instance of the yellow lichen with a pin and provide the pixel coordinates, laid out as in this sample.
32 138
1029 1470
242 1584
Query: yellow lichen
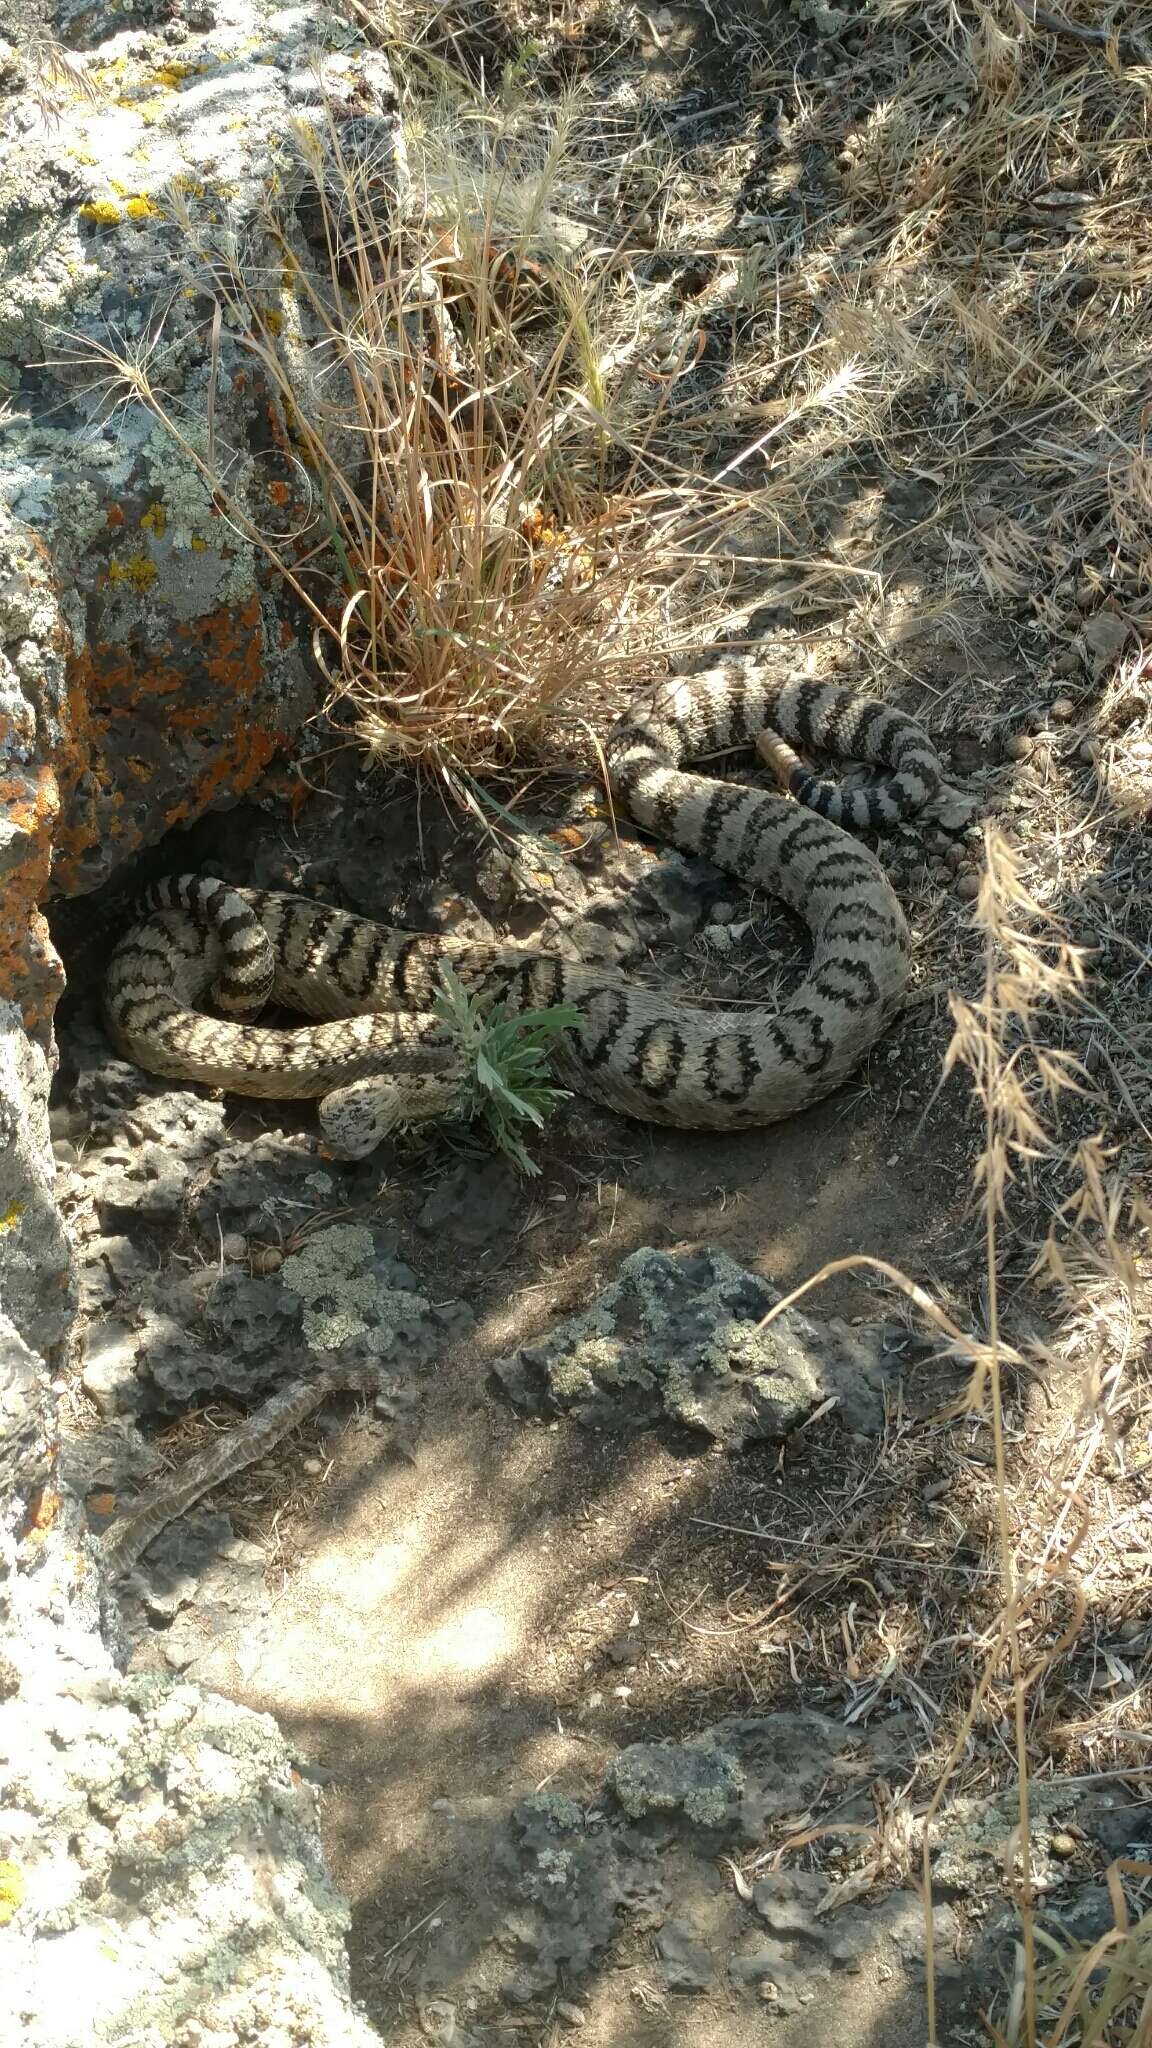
11 1216
11 1890
141 208
156 520
137 570
103 213
173 74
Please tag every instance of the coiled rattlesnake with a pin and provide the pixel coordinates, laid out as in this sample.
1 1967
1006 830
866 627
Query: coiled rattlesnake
390 1061
388 1058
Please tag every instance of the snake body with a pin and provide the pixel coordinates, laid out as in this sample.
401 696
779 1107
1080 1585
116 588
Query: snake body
383 1057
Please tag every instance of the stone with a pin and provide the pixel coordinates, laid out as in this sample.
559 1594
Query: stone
676 1339
37 1290
151 1189
685 1962
474 1203
696 1782
109 1371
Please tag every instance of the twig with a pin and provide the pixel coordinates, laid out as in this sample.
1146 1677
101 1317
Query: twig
1130 48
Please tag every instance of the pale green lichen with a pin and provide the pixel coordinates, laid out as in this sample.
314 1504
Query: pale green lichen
554 1865
556 1812
342 1297
695 1778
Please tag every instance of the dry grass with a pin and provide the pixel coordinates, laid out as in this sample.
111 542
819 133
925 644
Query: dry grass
494 535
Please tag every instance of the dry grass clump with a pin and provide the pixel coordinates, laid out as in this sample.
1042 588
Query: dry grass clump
496 535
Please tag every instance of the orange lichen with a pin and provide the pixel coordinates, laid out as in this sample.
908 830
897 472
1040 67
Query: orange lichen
114 515
43 1511
30 807
206 682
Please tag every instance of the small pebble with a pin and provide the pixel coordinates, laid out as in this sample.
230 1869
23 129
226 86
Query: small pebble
312 1466
1062 708
1063 1846
1019 746
1068 664
266 1258
967 887
234 1246
1089 750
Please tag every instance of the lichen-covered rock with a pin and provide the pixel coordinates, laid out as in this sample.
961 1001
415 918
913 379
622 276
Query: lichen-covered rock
162 1878
348 1287
676 1338
31 695
35 1270
149 664
692 1780
566 1878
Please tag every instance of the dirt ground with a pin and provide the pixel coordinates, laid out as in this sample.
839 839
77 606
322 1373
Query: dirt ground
499 1610
477 1606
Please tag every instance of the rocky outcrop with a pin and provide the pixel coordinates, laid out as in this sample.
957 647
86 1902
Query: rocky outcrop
160 1870
150 666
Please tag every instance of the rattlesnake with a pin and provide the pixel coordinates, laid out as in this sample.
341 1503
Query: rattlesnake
390 1059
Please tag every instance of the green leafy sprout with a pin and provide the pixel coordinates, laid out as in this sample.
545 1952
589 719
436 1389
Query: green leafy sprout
508 1083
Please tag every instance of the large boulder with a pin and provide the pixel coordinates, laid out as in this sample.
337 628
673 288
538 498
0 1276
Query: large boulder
151 664
160 1872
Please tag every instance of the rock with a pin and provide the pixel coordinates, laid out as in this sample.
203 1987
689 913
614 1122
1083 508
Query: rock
1122 1825
252 1315
31 697
695 1782
125 1800
350 1288
109 1370
116 1103
681 889
151 1189
248 1187
150 664
37 1292
474 1203
112 1267
972 1837
1103 639
563 1880
107 1459
675 1339
179 1367
685 1963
